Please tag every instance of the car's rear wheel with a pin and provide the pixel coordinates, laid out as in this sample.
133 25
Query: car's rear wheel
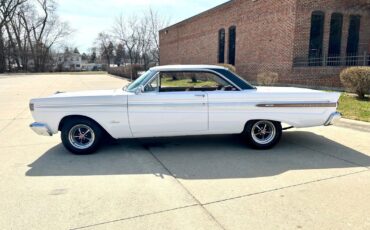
81 136
263 134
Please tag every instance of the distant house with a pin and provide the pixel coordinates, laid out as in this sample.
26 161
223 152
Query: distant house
68 61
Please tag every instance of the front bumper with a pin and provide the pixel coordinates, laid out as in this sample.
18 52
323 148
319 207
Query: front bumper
41 129
333 118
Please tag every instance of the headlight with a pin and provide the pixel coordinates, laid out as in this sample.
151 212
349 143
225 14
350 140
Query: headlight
32 106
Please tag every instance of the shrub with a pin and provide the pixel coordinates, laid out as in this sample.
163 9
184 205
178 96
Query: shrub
228 66
126 71
267 78
357 80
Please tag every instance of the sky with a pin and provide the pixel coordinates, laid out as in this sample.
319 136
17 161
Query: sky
89 17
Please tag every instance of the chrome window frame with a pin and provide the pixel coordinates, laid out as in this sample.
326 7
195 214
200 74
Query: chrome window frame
193 70
149 81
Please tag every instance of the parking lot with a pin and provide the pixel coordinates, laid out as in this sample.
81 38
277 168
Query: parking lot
316 178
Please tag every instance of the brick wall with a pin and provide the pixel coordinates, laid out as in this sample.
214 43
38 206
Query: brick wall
264 34
269 35
345 7
195 41
326 76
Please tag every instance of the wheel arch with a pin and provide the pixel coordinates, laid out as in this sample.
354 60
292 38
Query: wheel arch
70 117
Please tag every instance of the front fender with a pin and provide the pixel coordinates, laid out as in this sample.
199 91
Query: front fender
114 121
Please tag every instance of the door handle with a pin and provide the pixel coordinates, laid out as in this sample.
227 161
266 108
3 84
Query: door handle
200 95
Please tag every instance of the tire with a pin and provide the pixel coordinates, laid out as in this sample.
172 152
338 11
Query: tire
262 134
81 136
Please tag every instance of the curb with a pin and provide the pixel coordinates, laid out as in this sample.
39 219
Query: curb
352 124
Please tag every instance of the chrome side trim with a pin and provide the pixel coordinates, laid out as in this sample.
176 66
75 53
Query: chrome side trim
299 105
168 104
41 129
79 105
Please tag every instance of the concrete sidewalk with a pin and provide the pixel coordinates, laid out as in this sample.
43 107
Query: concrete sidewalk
352 124
317 178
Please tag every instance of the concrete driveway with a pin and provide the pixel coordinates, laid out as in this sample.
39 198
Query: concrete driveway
316 178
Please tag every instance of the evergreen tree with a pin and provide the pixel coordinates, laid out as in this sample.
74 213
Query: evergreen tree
120 53
84 57
93 57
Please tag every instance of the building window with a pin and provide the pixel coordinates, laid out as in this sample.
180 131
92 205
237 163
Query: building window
232 45
221 46
353 39
316 38
335 40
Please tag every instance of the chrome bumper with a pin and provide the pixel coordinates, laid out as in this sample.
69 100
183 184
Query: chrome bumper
333 118
41 129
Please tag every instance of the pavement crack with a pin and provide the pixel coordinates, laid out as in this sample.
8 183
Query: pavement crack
183 186
7 125
285 187
330 155
134 217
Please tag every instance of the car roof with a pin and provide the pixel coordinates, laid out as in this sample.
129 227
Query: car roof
185 67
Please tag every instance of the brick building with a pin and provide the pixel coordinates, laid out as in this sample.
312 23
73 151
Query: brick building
308 42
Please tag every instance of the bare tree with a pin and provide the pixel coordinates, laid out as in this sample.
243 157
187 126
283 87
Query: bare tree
139 36
20 44
7 12
156 23
144 41
105 44
28 31
126 32
43 29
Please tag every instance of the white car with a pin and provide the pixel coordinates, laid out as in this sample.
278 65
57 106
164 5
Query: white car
179 101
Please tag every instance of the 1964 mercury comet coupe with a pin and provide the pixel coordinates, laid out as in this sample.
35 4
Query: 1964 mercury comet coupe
180 101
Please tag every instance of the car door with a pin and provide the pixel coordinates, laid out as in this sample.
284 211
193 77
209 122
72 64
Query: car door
157 112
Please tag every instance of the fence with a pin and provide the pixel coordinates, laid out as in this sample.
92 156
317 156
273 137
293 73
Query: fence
333 60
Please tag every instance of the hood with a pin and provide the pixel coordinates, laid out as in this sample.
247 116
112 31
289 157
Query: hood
84 97
91 93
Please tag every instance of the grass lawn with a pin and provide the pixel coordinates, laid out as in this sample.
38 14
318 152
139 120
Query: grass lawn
353 108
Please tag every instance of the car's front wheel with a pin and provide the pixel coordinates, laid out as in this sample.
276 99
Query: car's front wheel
81 136
263 134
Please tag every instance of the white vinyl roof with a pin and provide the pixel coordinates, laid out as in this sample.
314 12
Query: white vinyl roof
185 67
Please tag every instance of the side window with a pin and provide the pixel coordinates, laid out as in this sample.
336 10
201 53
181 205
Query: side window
153 85
192 81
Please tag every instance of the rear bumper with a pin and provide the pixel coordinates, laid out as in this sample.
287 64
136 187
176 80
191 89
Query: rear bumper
41 129
333 118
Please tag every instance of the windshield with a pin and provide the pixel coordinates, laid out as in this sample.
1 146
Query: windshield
142 80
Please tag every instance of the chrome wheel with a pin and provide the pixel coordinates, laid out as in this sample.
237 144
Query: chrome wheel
81 136
263 132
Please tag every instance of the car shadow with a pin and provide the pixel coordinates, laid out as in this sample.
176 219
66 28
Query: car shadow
201 157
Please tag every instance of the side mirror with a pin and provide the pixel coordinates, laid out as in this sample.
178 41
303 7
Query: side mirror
139 90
